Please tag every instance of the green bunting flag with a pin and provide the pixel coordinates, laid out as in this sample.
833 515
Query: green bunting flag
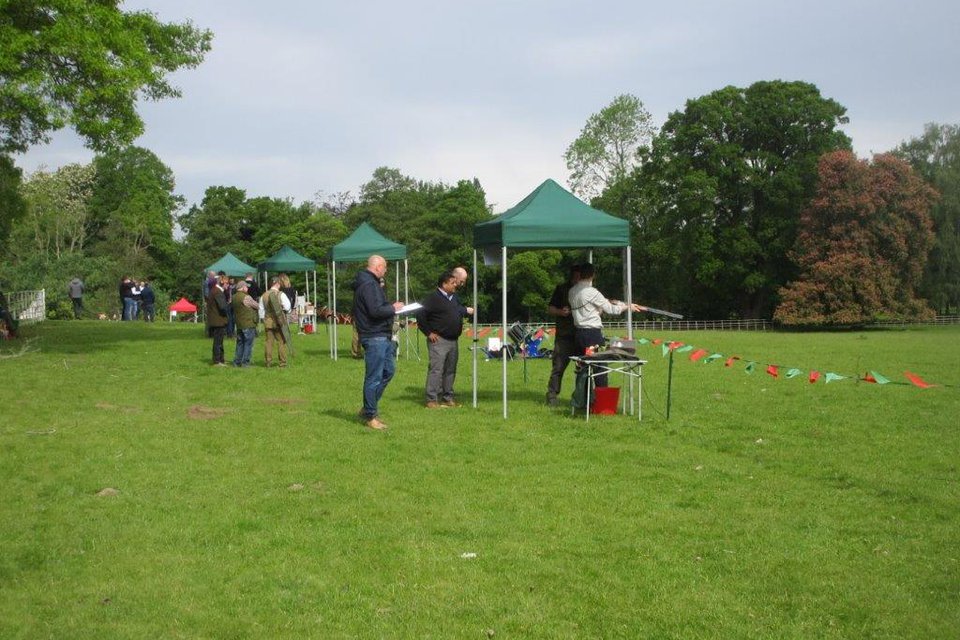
713 358
875 378
750 366
792 373
685 349
830 377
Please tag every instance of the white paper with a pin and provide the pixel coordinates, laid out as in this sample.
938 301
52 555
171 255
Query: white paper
413 306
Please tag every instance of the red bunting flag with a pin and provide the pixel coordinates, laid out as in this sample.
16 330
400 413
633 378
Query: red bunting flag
917 380
698 354
772 369
814 376
657 341
675 344
730 361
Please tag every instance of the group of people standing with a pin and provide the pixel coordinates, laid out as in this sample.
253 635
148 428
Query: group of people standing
136 299
241 306
439 318
576 305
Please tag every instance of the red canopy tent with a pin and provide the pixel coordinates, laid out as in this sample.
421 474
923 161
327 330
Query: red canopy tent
183 306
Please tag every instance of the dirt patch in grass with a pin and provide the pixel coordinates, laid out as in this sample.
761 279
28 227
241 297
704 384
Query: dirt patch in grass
200 412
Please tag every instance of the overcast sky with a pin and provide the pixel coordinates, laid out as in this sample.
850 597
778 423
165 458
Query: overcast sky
301 96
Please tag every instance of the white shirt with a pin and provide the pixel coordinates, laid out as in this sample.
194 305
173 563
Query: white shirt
284 302
586 305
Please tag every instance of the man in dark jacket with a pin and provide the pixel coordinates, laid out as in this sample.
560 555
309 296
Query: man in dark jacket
373 317
148 301
441 320
217 317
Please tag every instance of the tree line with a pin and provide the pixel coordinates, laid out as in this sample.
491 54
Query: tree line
748 202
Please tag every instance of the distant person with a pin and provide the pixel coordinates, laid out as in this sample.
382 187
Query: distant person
126 299
273 308
245 313
253 287
136 290
373 318
565 337
75 291
231 286
441 320
586 305
217 317
148 301
6 317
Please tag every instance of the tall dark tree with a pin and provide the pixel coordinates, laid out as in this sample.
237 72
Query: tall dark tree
717 203
862 245
936 157
132 211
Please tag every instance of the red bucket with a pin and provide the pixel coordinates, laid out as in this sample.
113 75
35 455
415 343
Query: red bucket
605 400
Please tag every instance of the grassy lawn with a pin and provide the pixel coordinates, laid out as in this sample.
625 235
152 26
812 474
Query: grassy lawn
253 504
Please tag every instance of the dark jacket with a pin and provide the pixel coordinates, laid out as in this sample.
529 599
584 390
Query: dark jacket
216 307
372 313
147 296
441 315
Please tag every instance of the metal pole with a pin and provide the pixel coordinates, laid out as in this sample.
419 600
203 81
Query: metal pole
334 263
669 382
629 267
476 341
503 338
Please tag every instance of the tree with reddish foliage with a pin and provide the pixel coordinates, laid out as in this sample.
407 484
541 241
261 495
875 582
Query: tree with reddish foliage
862 244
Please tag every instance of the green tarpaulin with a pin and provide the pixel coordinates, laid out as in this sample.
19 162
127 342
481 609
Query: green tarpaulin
552 218
287 260
366 242
230 265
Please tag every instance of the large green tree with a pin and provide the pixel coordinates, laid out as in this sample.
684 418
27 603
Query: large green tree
862 245
936 157
609 145
84 64
716 206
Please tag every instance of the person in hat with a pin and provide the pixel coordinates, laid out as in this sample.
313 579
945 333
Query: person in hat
245 314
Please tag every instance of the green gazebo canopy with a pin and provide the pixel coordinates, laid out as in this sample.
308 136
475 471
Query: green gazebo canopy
287 260
230 265
364 242
552 218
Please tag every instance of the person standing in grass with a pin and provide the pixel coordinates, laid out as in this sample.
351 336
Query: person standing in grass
565 337
148 299
75 291
245 314
441 320
373 318
586 305
274 307
217 317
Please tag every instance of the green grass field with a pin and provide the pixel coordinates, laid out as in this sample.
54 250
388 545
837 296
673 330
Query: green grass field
253 504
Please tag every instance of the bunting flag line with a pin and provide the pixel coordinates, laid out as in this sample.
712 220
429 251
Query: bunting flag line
775 370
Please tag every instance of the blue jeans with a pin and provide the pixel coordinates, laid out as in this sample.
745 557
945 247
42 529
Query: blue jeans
380 359
245 338
129 307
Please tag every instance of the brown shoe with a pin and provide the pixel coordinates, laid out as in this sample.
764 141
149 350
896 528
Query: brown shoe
374 423
450 403
434 405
